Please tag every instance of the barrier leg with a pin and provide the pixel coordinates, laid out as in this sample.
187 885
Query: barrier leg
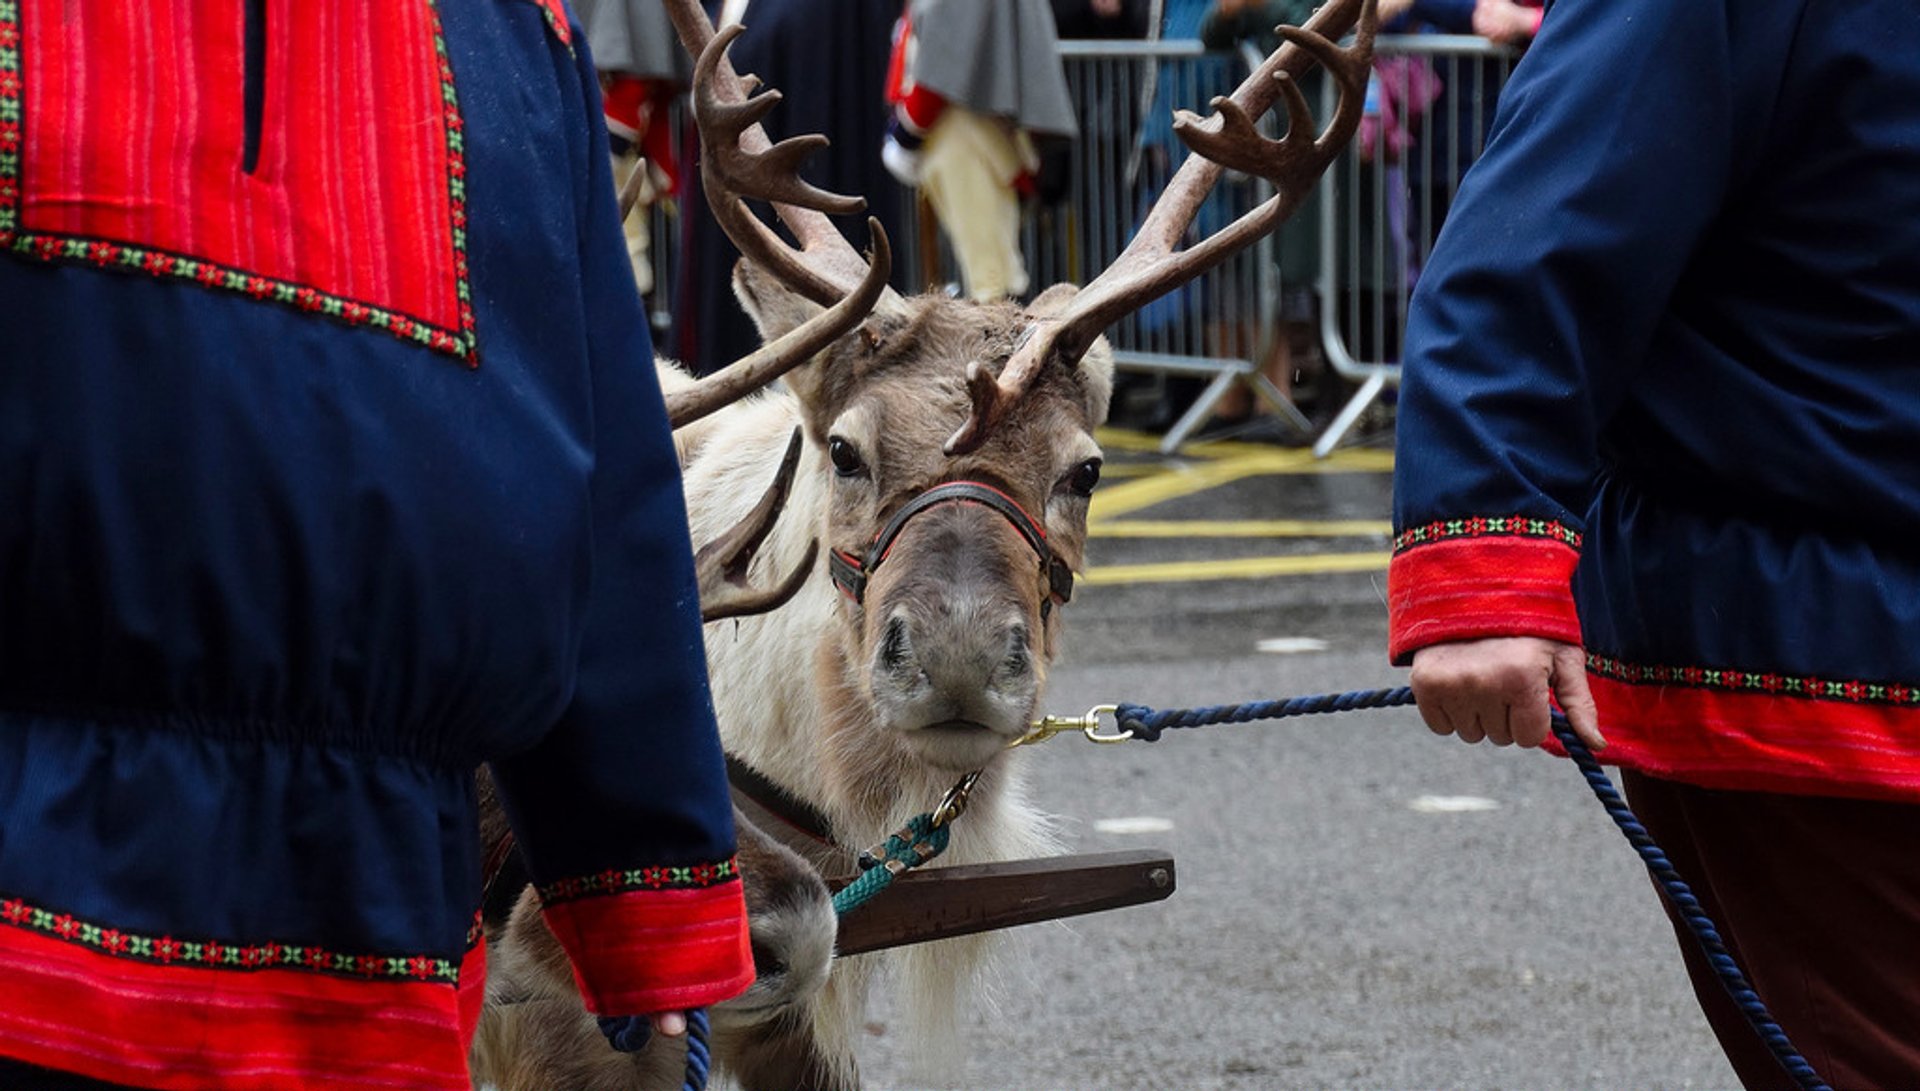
1350 414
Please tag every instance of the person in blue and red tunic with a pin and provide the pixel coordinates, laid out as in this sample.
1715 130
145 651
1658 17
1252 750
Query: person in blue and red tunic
1658 451
333 465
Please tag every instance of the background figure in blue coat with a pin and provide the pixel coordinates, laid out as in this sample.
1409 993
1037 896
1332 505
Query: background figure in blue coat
1658 446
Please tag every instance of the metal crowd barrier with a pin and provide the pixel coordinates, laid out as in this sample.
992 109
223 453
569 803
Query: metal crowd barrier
1216 328
1386 199
1380 209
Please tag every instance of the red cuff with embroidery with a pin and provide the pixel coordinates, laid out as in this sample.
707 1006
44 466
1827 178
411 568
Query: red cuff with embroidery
1472 586
646 950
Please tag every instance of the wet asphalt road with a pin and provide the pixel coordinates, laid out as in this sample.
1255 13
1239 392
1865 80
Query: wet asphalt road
1360 904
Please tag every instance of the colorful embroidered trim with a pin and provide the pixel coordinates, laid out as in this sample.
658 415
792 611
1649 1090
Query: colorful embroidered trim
213 954
108 254
456 128
11 125
1513 526
1738 681
695 877
557 21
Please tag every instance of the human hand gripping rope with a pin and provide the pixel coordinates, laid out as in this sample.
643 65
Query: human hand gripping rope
1139 723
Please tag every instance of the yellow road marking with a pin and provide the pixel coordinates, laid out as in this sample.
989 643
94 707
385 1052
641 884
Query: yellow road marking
1344 460
1131 496
1209 465
1239 568
1240 528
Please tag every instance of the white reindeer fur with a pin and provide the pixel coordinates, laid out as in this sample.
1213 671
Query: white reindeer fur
768 673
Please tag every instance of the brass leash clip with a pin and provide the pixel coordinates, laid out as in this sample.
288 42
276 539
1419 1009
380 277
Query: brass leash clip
1088 724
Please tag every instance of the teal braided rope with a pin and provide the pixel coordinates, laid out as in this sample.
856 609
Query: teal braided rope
1147 724
914 844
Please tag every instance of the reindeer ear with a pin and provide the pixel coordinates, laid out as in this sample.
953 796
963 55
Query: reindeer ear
1096 367
1096 375
774 307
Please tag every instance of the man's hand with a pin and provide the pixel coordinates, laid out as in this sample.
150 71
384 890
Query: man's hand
1497 690
1504 22
631 1033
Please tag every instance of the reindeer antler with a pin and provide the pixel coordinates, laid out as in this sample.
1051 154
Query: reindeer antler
738 161
1151 265
791 349
720 567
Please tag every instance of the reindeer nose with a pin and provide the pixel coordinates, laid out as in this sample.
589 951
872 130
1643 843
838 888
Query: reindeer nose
1018 663
896 648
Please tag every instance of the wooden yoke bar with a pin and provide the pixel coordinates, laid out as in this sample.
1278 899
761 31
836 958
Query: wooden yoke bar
943 902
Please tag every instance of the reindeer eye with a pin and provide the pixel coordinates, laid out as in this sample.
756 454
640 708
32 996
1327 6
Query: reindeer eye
1084 477
845 458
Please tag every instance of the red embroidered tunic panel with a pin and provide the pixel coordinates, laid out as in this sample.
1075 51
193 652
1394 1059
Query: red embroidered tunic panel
321 167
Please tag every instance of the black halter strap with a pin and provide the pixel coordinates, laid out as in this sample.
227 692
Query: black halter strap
777 801
850 573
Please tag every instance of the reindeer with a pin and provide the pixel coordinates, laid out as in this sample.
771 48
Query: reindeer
947 462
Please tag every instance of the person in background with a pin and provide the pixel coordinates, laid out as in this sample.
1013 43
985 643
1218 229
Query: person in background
1102 19
335 466
971 82
1508 22
1225 25
1657 448
642 69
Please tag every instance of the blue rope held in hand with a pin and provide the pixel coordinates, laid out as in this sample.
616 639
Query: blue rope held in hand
630 1034
699 1051
1147 724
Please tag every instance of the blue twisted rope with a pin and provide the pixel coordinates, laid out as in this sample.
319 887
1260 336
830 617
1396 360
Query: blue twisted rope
631 1033
1147 724
699 1051
909 847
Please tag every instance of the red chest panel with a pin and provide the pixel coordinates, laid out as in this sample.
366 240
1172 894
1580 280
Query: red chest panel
125 134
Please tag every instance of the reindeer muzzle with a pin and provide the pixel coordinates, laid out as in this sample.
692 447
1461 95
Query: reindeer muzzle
850 573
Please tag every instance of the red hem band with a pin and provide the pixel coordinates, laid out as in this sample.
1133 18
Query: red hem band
180 1028
1470 588
1758 741
650 951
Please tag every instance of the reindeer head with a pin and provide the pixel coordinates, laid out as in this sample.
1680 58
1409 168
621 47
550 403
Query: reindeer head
956 437
951 566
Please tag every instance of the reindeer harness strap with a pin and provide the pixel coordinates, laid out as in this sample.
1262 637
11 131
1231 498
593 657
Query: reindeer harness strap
850 573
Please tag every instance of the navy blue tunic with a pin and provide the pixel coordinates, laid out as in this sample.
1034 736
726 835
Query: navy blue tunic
1668 348
283 560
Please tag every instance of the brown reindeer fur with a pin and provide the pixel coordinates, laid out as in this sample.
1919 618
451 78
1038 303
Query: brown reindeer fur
535 1033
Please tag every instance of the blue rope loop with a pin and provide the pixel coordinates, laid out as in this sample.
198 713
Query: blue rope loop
1147 725
631 1033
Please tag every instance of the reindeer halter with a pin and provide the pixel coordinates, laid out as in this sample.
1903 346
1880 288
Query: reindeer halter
850 573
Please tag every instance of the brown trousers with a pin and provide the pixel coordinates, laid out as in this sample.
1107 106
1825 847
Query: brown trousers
1818 899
